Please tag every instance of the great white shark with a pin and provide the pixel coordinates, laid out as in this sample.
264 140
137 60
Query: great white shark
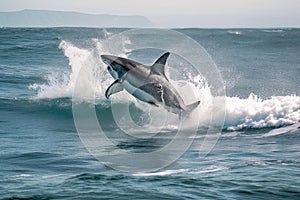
146 83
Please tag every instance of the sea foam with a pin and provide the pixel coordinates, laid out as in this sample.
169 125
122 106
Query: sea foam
251 112
255 112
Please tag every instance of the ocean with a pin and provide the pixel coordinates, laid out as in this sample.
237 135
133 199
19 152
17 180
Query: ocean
46 154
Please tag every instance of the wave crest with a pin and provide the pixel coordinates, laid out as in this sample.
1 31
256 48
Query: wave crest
255 112
252 112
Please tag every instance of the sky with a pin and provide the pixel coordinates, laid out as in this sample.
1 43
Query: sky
180 13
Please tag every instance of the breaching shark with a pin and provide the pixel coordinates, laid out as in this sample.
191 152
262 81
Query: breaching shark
146 83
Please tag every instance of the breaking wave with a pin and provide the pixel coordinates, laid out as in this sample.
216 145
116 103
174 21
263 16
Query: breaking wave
255 112
251 112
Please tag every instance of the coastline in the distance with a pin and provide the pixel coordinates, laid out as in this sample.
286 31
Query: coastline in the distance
47 18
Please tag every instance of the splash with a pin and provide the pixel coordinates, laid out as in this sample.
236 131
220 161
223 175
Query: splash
252 112
61 85
255 112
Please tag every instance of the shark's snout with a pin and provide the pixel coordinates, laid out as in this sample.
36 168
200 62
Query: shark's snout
108 59
105 59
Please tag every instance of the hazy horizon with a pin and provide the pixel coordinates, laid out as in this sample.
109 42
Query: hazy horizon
190 13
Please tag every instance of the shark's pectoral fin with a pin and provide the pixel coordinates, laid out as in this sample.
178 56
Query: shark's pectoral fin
189 108
115 87
159 66
152 103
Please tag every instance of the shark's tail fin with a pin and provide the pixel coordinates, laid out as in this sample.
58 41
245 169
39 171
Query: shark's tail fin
189 108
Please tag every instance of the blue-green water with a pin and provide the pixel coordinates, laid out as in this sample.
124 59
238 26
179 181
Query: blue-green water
42 157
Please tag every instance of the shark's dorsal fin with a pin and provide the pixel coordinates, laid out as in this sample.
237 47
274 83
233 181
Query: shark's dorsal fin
159 66
115 87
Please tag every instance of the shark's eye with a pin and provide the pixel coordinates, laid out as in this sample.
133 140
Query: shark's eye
108 68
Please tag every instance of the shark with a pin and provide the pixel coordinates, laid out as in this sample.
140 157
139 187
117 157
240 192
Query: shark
146 83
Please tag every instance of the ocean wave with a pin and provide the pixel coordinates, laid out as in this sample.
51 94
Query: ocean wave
62 84
252 112
60 106
273 31
210 169
91 176
234 32
255 112
83 62
89 78
162 173
283 130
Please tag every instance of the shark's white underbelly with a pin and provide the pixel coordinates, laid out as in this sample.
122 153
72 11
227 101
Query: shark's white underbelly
138 93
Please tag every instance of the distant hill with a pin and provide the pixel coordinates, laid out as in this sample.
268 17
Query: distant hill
46 18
